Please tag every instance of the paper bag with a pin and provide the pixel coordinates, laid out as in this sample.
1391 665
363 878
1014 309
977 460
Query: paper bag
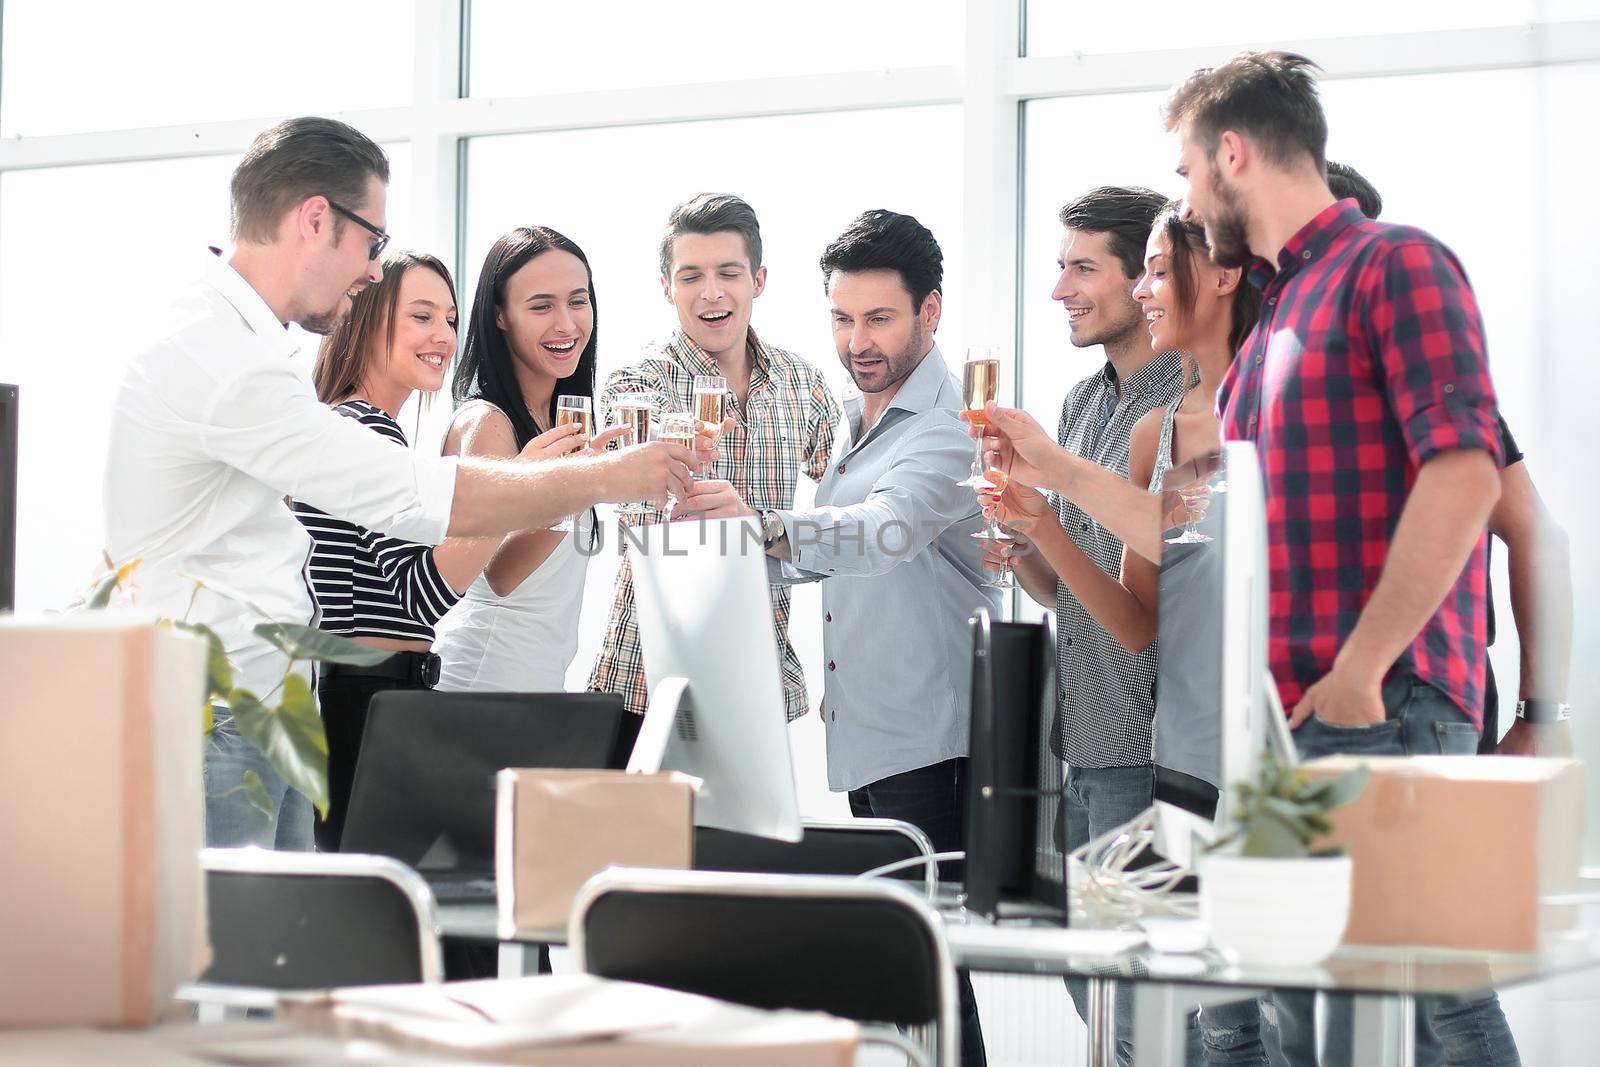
103 914
556 829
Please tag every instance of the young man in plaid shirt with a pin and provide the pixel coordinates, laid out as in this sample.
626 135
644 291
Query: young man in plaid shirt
783 411
1365 389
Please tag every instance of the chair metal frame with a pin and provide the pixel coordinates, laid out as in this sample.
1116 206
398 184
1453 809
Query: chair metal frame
913 833
261 861
946 1029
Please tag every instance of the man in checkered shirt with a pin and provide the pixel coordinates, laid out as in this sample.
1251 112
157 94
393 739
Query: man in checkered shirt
783 412
1365 388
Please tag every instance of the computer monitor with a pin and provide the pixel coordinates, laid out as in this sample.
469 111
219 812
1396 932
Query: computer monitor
10 436
424 788
711 660
1214 597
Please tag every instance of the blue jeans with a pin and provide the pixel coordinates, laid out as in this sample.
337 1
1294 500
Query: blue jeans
1236 1035
231 820
1456 1030
1098 800
934 800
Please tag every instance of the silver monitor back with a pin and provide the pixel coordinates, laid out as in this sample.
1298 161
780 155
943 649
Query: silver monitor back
1247 699
705 616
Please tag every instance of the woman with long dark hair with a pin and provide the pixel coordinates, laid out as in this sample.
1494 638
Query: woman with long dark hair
531 341
398 339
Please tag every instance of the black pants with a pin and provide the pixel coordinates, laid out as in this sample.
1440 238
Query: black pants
934 800
344 699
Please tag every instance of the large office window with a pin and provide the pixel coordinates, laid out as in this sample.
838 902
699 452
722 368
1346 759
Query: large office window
523 49
1472 116
806 176
1072 27
1506 205
90 257
108 65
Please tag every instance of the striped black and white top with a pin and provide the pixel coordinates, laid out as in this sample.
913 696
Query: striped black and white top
367 584
1106 695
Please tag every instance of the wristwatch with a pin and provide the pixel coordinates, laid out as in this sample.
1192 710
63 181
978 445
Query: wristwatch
771 530
1540 711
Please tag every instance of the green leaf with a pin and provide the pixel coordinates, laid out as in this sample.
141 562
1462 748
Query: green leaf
1269 837
219 671
289 735
1337 792
100 595
308 642
256 793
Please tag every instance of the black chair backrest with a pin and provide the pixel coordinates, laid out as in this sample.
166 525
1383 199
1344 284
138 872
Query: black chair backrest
1014 777
273 930
822 850
426 773
860 957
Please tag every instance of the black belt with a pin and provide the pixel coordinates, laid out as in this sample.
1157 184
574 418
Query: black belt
418 670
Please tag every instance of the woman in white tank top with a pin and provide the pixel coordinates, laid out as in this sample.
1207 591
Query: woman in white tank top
531 339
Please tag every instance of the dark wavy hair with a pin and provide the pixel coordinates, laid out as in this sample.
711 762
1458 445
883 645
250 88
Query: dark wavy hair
484 370
1124 213
1347 183
1272 96
885 240
1186 243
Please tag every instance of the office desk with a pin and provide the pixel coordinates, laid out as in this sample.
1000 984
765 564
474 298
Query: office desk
1385 981
188 1045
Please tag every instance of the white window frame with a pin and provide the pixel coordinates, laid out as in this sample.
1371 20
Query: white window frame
991 86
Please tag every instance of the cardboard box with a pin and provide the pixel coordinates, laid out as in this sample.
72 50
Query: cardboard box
101 735
556 829
1460 851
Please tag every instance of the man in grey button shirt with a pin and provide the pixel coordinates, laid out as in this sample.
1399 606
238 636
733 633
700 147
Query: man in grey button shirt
892 534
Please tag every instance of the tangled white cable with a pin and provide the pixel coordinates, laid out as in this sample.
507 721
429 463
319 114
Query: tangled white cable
1104 891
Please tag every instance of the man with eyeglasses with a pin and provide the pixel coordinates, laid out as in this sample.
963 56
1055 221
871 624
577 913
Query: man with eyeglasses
214 428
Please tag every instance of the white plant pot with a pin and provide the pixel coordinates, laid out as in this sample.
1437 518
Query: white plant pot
1275 912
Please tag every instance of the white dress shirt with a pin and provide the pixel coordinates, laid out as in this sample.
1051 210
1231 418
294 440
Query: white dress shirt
213 427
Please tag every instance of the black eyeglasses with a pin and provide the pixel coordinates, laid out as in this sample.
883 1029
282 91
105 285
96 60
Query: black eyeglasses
375 249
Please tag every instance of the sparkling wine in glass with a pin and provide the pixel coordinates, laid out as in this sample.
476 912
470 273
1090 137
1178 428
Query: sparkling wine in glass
570 410
979 384
679 429
633 411
710 405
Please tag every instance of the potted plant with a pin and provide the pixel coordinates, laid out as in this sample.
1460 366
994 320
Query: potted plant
285 723
1266 896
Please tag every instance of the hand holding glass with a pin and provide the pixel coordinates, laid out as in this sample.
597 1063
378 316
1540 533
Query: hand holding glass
574 410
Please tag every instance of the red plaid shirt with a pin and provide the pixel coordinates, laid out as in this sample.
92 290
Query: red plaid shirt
1368 360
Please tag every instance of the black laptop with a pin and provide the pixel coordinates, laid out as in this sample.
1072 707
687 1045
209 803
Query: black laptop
424 789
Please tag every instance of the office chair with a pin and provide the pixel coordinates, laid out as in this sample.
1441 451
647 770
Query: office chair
861 949
829 846
1014 778
304 920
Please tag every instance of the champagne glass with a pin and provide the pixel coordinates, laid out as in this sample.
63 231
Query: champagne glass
710 405
1195 496
679 428
570 410
980 381
633 411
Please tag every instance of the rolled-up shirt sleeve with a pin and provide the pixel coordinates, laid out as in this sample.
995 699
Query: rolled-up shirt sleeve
911 503
267 423
1431 352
